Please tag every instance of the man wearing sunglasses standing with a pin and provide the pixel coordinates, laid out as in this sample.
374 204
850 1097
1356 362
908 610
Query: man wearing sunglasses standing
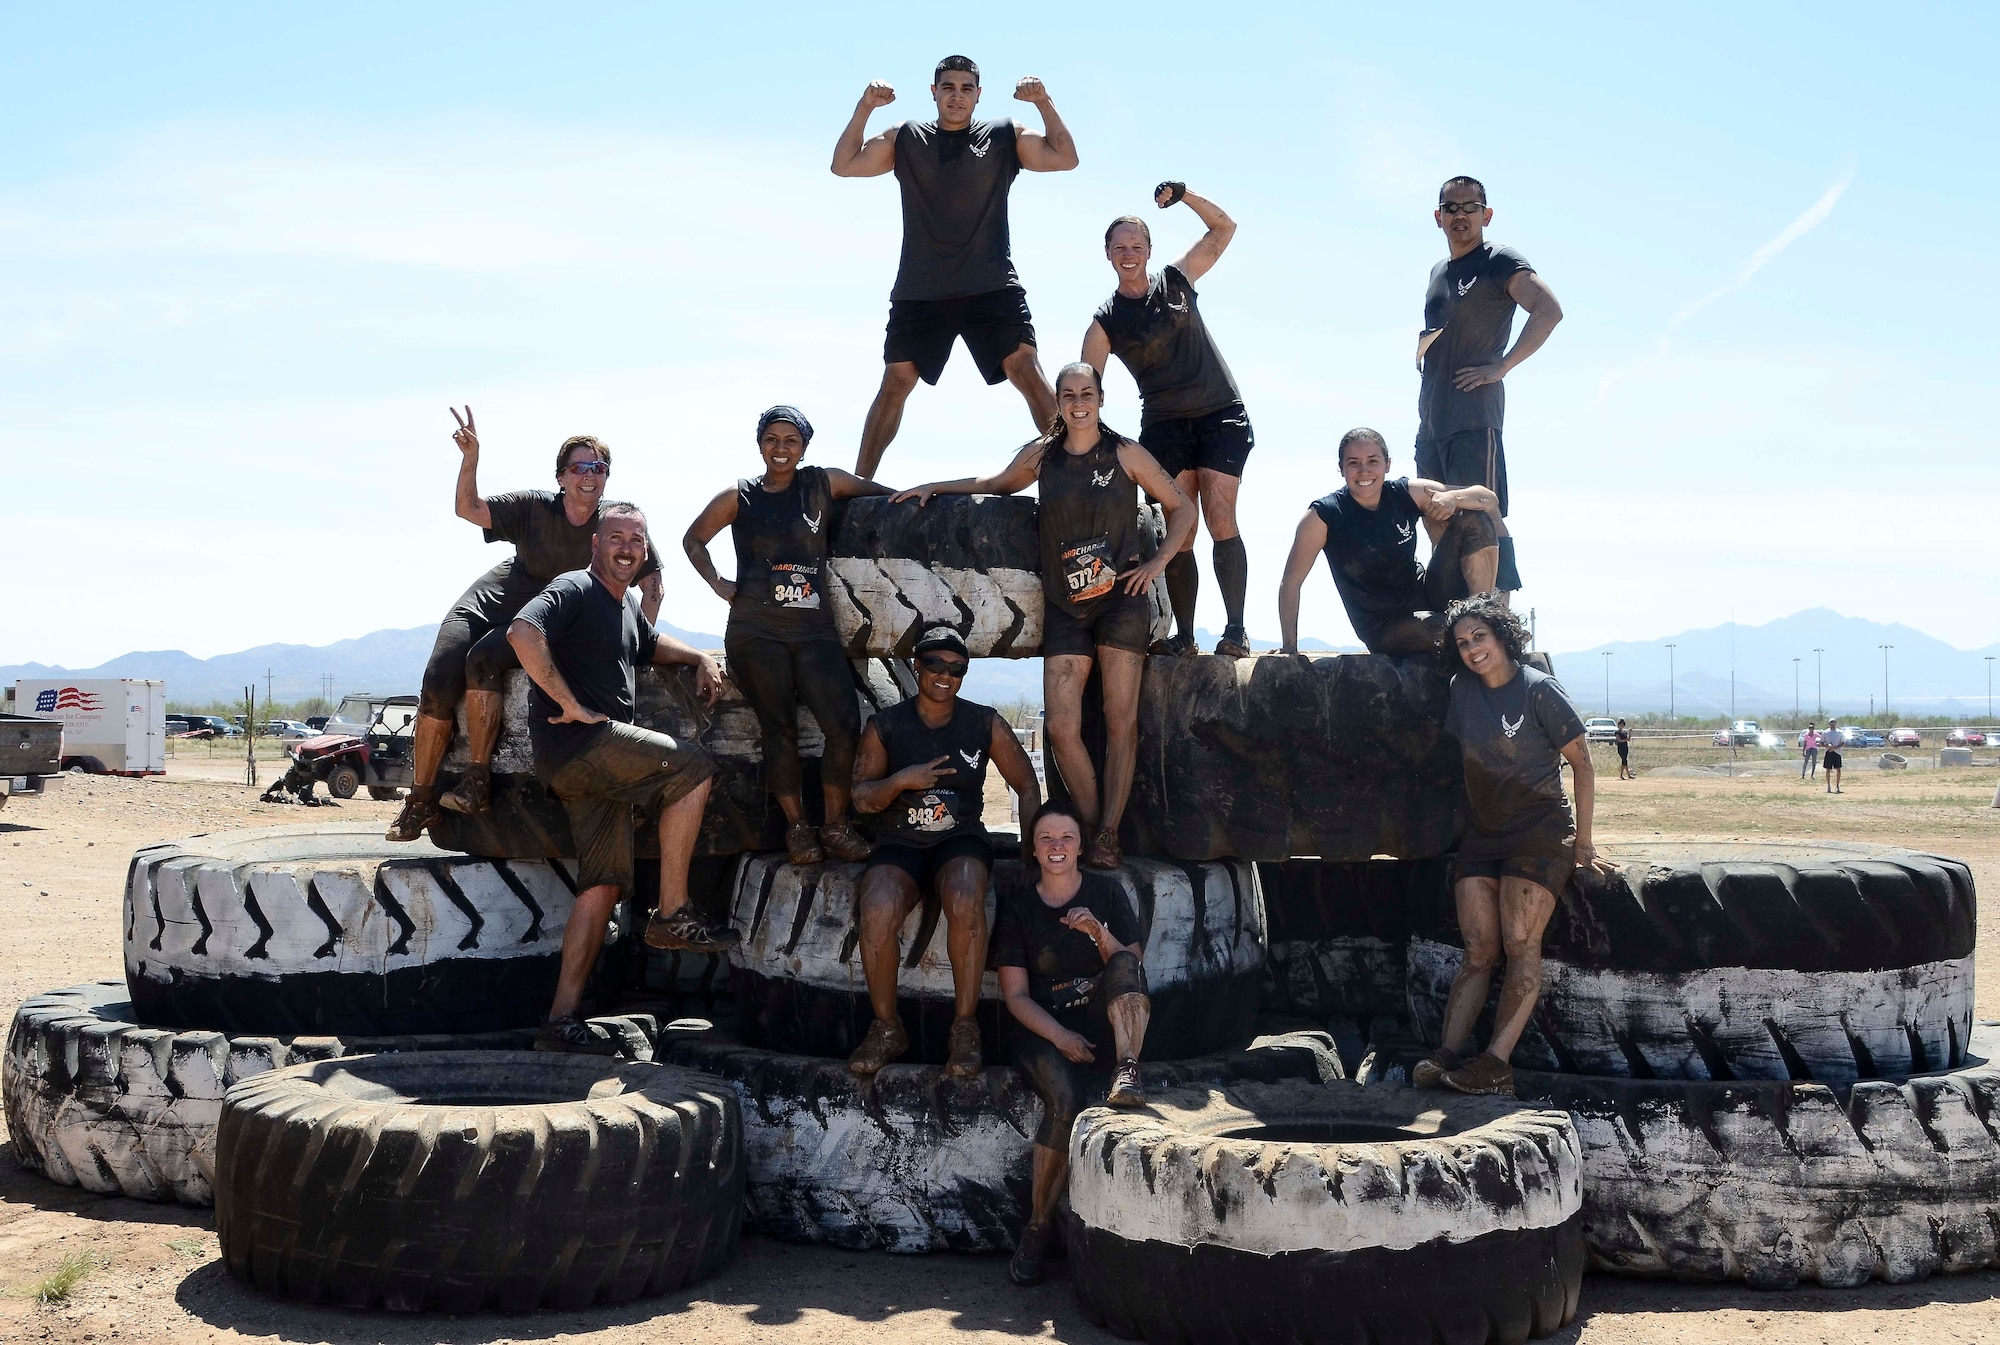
551 532
956 278
922 764
1463 354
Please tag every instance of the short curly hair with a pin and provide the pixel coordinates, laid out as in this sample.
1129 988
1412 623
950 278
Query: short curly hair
1489 608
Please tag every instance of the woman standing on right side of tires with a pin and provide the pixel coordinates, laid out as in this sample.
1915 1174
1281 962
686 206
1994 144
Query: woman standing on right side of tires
1522 844
780 643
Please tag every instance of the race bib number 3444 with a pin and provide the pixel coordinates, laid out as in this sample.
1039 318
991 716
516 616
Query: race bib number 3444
1087 569
795 585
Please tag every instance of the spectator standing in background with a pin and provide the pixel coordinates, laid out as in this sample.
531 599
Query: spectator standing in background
1809 752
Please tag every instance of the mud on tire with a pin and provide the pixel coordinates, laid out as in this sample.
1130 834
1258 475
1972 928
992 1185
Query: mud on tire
916 1161
1741 962
1339 934
799 986
97 1099
543 1181
331 929
1251 1213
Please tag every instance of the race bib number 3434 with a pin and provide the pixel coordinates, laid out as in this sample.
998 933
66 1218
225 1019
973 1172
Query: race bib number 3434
795 585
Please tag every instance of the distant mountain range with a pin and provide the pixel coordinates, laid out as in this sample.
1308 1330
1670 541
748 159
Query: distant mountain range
1926 675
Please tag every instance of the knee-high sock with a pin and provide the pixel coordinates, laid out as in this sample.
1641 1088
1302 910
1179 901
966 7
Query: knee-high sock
1232 573
1509 580
1183 585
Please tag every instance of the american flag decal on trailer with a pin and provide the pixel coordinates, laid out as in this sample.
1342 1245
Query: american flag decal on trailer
69 698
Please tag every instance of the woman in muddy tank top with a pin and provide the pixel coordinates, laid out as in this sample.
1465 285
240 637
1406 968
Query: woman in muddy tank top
1095 602
780 643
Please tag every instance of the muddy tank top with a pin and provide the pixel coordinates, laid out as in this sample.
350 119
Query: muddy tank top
1089 519
783 543
921 818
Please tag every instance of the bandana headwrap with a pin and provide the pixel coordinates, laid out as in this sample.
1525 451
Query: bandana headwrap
790 415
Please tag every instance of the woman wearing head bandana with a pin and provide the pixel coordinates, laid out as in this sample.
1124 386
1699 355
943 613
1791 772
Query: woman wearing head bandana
780 642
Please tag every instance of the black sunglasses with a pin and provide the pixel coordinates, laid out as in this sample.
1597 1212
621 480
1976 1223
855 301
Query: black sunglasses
936 664
1460 207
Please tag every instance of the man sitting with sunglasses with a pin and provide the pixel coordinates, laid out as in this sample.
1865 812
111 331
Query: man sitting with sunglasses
923 764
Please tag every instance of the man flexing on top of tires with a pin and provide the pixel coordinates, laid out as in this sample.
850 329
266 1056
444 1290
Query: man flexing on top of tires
1368 532
1191 416
1096 604
551 533
922 766
582 640
956 277
1463 353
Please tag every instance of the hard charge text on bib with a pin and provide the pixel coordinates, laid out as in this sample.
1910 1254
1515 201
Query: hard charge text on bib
795 585
1087 569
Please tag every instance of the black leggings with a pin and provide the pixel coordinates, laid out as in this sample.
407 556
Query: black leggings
470 651
1064 1086
775 676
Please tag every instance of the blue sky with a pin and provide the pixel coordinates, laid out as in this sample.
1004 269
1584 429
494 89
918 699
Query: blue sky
249 255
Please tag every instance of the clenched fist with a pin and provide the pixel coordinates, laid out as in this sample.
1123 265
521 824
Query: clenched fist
1030 90
879 93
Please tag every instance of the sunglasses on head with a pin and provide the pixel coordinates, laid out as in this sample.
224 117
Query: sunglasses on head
937 663
590 468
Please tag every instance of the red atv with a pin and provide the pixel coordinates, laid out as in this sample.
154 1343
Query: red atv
377 757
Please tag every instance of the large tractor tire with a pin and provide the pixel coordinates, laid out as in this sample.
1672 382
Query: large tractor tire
1279 757
331 929
971 562
1288 1211
1340 934
506 1181
799 985
1767 961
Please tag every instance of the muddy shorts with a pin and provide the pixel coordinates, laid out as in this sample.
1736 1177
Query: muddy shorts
1468 458
922 863
1064 1086
1120 620
625 767
1219 442
1550 874
994 325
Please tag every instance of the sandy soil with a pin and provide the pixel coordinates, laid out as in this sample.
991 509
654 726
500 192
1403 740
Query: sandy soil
62 866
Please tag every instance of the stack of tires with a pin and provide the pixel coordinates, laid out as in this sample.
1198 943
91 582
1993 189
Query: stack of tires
1771 1057
317 1028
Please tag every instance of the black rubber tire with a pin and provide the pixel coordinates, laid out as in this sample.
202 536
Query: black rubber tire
542 1180
1252 1212
916 1161
1726 962
384 793
98 1099
1339 934
799 986
972 562
1278 758
526 822
1780 1184
343 782
331 929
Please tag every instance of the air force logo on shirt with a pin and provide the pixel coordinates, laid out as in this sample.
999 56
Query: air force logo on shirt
1511 729
1465 285
811 521
979 149
1405 531
971 760
1101 479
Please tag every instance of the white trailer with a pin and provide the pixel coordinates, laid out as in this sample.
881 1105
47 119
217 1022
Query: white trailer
111 725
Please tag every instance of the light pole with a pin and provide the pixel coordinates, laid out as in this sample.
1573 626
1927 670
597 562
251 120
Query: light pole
1885 675
1607 683
1670 680
1795 688
1819 681
1989 688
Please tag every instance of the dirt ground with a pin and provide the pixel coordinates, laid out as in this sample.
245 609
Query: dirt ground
62 867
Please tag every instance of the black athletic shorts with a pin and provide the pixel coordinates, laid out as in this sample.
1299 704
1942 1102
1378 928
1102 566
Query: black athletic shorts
1468 458
923 864
994 324
1219 441
1121 620
1551 874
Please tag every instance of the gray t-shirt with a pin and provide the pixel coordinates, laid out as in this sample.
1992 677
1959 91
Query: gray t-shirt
1468 307
955 184
1512 739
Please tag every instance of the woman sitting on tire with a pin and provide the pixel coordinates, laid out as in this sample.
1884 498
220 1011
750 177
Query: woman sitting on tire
1522 843
1068 950
780 643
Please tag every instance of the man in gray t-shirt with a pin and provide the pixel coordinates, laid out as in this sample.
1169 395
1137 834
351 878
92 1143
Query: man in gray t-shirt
956 276
1463 354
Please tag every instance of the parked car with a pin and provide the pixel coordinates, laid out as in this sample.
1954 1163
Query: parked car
1902 737
1862 738
1742 733
176 725
1965 738
317 723
217 726
288 728
373 754
1598 729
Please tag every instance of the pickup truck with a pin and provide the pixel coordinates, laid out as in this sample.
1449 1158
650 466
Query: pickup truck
30 754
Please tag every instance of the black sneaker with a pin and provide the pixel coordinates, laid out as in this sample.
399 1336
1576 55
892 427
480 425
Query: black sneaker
570 1035
1235 643
686 931
473 793
1178 646
415 818
1026 1267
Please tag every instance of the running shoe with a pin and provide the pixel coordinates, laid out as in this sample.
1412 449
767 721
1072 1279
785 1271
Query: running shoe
1487 1073
1430 1071
885 1042
1026 1267
1126 1090
419 812
1235 643
688 932
966 1058
843 842
1104 852
473 793
802 843
570 1035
